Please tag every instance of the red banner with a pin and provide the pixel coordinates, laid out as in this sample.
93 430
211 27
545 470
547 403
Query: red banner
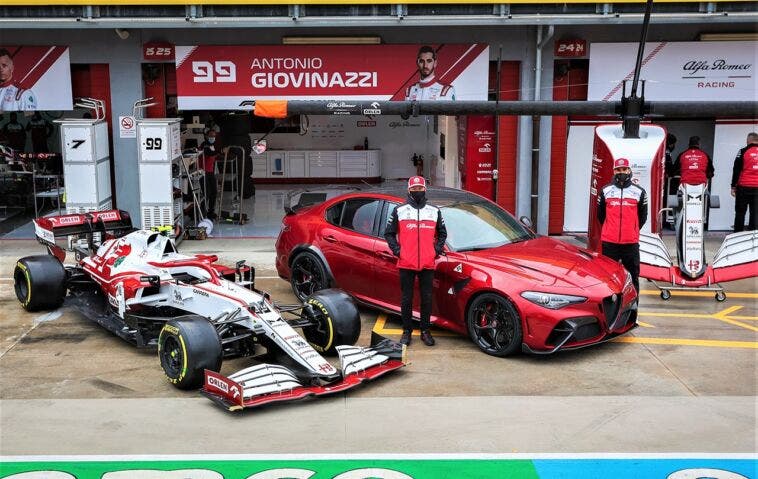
478 133
35 78
221 77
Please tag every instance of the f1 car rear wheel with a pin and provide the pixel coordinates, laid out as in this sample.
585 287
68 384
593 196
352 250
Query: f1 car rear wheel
337 320
40 282
308 275
494 325
187 346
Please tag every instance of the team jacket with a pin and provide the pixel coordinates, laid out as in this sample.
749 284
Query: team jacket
211 154
13 98
622 211
416 233
430 89
745 172
694 166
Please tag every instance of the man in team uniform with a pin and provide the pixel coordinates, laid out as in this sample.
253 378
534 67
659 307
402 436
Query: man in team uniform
428 88
693 164
745 184
13 97
622 210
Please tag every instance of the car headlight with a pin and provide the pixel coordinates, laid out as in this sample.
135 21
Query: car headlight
552 300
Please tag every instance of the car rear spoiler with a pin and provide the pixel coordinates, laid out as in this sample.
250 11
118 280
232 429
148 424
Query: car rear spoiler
48 228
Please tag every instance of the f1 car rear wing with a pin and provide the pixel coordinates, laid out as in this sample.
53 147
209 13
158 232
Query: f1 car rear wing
115 222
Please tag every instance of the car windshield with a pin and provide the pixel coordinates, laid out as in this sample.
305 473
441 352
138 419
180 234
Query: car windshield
480 225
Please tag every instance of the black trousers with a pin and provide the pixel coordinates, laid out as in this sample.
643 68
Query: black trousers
745 197
407 279
210 192
629 255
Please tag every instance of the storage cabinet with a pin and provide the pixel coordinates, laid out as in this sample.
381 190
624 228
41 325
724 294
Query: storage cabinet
317 164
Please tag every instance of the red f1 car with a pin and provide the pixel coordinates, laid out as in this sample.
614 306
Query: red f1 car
197 312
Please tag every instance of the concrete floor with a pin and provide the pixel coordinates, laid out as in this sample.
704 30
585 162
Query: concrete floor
683 382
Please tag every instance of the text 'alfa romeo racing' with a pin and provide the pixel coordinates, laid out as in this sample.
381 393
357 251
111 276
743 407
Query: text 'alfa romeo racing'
197 312
498 282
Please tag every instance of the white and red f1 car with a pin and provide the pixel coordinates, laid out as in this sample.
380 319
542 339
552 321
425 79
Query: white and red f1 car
197 312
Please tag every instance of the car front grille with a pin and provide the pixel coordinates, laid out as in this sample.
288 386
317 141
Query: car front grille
611 306
572 330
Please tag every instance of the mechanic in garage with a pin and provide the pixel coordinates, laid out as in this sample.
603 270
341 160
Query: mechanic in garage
416 234
745 184
622 210
211 152
693 164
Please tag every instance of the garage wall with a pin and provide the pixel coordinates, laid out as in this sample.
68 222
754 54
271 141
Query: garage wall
397 139
728 139
90 45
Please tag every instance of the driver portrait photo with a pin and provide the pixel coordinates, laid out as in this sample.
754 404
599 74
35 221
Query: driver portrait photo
428 87
13 97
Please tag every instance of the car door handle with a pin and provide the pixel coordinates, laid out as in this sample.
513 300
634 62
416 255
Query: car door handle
331 239
386 255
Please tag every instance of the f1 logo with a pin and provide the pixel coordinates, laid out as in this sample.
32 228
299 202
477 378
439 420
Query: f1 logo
77 143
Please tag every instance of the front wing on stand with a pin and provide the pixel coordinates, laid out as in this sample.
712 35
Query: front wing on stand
736 259
268 383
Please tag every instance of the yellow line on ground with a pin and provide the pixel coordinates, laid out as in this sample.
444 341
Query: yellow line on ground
381 321
653 292
722 316
689 342
673 315
645 325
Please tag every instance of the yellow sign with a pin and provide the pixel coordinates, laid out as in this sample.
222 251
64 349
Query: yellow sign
315 2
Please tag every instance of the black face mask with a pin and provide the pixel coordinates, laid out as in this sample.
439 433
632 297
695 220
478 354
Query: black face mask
418 196
621 178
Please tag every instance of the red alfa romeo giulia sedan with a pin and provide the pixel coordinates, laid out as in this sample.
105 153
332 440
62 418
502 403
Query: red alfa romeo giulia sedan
498 282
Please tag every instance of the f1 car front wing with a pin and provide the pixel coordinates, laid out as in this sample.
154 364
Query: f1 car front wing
267 383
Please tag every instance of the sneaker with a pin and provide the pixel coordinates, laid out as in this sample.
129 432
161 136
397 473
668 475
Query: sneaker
426 338
406 338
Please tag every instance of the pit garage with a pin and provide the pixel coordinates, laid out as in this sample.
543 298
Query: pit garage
673 398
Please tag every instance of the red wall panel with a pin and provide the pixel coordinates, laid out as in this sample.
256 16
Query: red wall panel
507 128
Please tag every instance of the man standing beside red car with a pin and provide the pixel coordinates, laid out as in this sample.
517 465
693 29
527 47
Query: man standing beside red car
622 210
416 234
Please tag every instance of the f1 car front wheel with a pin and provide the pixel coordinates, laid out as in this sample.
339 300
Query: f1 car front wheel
187 346
308 275
336 317
494 325
40 282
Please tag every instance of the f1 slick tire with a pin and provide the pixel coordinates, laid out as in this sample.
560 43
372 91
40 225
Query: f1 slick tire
40 282
187 346
337 320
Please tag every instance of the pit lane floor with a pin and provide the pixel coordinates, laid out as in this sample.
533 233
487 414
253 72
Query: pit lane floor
684 382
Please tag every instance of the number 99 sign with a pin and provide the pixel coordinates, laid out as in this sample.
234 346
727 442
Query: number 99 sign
153 144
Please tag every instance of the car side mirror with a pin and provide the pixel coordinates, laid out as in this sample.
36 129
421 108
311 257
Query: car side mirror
524 220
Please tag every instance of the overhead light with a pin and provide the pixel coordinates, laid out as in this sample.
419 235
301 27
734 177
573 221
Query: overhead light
331 40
